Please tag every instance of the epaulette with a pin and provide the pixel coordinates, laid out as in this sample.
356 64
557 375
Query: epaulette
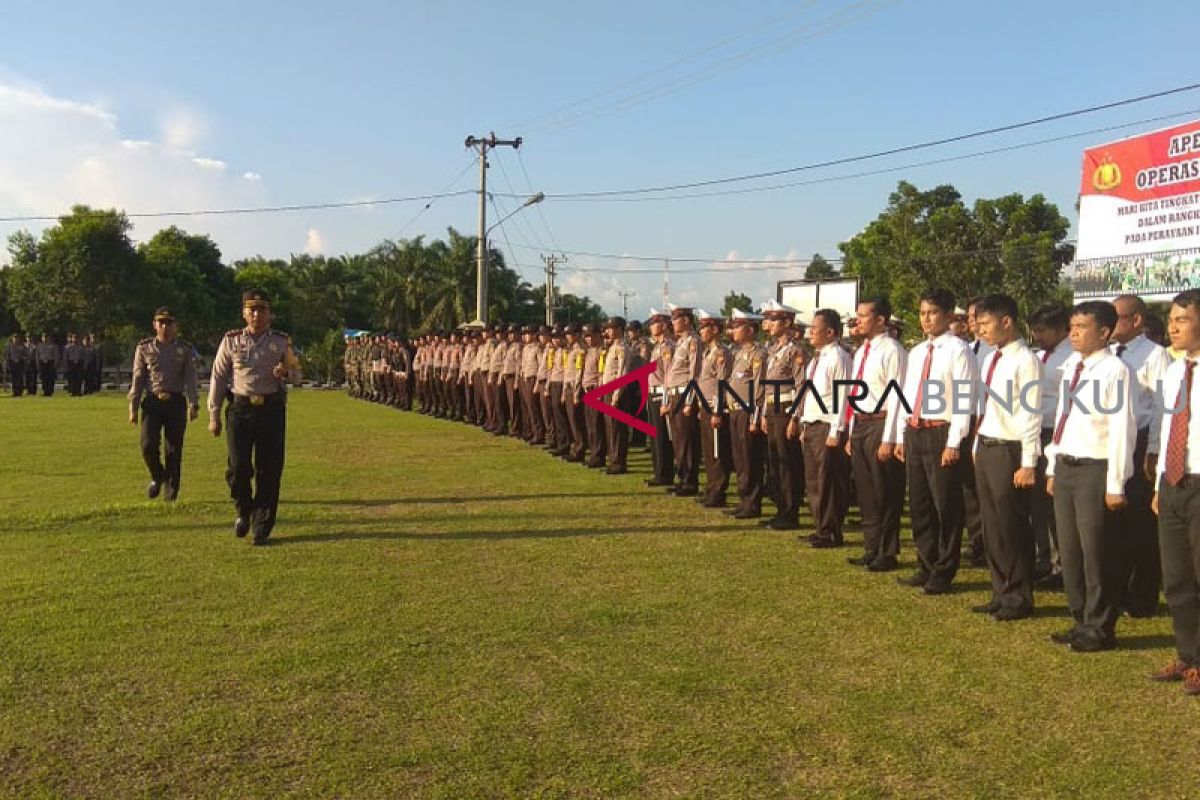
281 333
147 340
233 332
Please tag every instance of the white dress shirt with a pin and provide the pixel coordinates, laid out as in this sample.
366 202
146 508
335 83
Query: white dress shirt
1149 362
1013 368
830 363
1052 375
1172 381
885 363
952 364
1093 433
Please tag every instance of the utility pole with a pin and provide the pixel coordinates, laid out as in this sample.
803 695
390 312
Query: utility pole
551 261
483 144
666 282
625 302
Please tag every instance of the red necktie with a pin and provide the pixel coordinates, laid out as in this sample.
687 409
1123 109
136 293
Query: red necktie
988 383
1062 421
1177 444
1045 356
916 417
861 365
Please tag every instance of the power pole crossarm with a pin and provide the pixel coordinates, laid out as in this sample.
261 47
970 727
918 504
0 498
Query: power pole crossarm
483 144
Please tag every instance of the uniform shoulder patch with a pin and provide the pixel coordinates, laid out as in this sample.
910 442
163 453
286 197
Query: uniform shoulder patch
147 340
233 332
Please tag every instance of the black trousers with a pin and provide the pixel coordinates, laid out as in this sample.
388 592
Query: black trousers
826 479
1041 512
31 377
718 457
512 402
561 442
255 437
787 462
685 436
597 442
749 451
578 427
75 379
662 452
1142 577
48 372
971 511
935 501
1179 544
619 432
16 375
1088 544
1007 530
880 489
163 420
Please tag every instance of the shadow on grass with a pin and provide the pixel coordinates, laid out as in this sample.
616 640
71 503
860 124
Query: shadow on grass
1150 641
352 536
456 500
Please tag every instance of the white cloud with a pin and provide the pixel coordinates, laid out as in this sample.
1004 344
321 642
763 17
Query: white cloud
59 152
314 242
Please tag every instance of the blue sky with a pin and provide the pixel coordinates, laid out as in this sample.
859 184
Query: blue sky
154 106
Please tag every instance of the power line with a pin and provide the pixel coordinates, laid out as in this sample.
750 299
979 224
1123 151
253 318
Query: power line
881 153
253 209
470 165
882 171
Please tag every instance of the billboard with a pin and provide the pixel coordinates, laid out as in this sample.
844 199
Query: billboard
1139 215
839 294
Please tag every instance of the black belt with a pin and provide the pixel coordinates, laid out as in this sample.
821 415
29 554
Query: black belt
991 441
258 399
1081 462
165 396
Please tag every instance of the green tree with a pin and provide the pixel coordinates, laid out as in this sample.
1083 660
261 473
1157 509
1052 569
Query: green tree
189 278
819 269
83 274
736 300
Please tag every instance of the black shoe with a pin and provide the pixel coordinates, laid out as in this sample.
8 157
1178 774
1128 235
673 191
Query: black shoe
990 607
918 578
1064 637
883 564
1052 582
260 541
687 491
784 525
241 526
153 489
1140 613
747 514
170 493
713 503
1093 644
1007 614
936 586
823 544
615 471
653 482
860 561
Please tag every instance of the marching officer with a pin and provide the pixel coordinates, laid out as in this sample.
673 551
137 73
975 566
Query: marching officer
255 362
164 374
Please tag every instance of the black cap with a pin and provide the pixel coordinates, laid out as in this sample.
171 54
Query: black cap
527 329
591 328
614 322
255 298
572 327
634 325
543 330
163 313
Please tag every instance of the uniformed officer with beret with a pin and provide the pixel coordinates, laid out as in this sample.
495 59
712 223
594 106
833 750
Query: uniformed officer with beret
164 378
256 363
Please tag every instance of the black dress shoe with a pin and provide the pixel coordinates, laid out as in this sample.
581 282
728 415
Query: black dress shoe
784 525
260 541
766 523
241 526
883 564
1064 637
860 561
615 471
918 578
990 607
1093 644
1052 582
170 492
936 586
654 482
153 489
687 491
713 503
747 514
1008 614
823 544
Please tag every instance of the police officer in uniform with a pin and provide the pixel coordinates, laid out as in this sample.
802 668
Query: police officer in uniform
48 362
747 444
16 358
164 374
255 362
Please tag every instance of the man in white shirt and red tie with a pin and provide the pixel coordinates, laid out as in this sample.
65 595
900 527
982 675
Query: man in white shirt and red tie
819 424
1090 458
878 475
1148 360
929 436
1048 329
1178 499
1007 448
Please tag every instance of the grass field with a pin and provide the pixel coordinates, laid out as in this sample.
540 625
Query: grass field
448 614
